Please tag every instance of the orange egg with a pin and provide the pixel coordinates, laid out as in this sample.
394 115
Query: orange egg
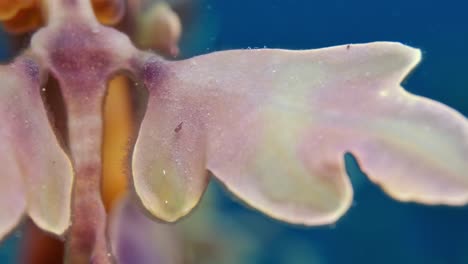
25 20
22 16
9 8
109 12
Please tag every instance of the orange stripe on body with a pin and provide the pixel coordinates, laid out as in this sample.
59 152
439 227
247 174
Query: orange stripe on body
117 133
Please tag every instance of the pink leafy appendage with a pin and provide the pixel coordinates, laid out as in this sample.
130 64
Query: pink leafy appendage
273 126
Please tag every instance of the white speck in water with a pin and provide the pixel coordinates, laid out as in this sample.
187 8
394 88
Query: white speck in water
109 254
166 202
164 172
43 89
274 71
18 234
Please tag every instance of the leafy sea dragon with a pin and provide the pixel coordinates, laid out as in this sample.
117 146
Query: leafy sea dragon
272 125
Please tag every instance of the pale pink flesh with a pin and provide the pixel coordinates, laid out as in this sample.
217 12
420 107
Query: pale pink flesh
12 200
273 126
32 157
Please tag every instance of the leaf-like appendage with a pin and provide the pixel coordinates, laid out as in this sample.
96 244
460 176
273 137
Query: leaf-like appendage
31 153
12 200
273 126
169 163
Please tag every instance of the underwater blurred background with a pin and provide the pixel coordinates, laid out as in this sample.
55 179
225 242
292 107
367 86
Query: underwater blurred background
376 229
